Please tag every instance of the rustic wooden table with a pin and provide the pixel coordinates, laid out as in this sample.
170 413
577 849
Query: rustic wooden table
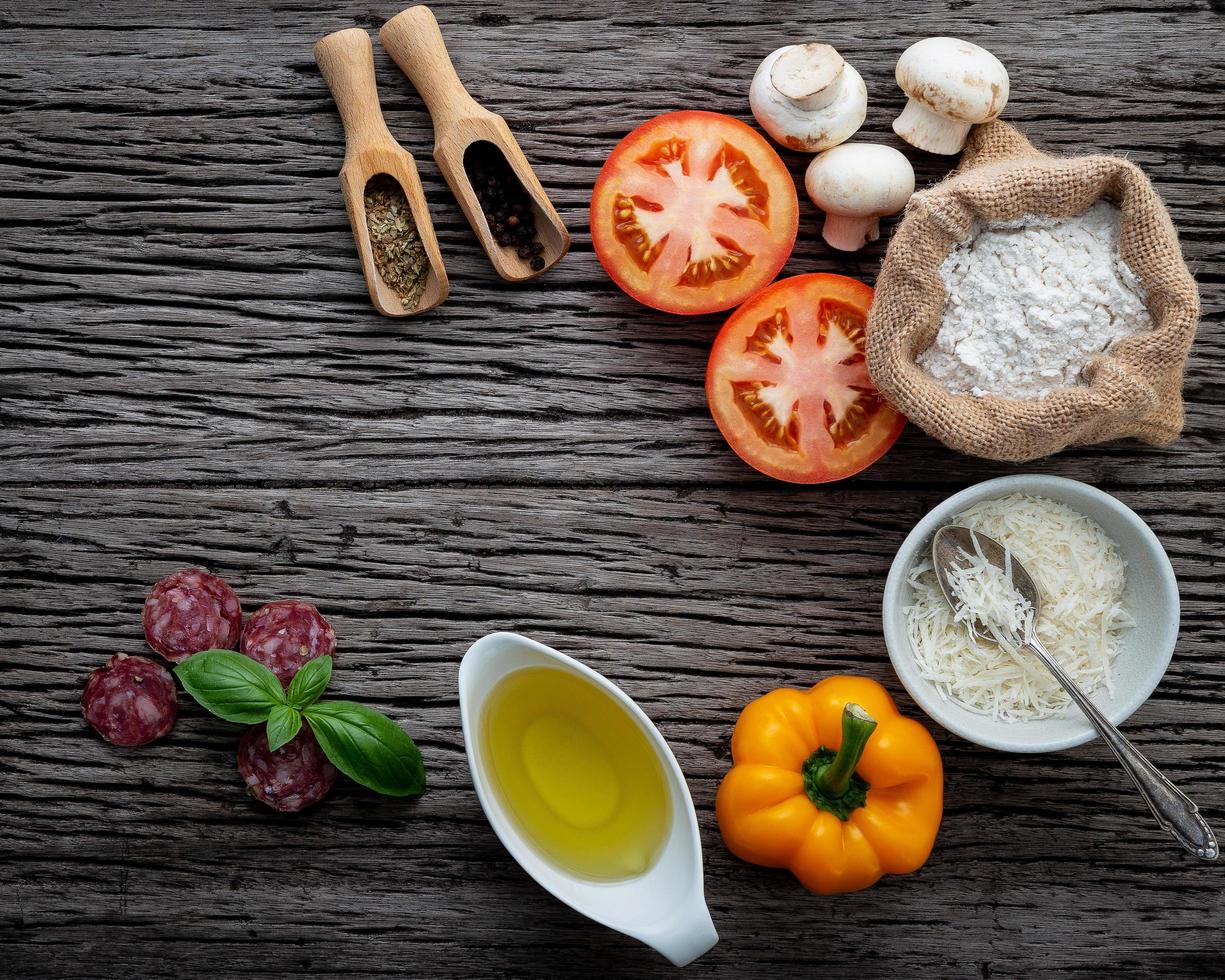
192 375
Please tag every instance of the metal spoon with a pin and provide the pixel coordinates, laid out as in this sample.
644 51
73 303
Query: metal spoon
1173 810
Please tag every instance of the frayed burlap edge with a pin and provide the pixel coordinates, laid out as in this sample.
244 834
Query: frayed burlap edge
1135 390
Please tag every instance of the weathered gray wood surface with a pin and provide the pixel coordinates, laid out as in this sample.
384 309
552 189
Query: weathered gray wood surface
191 374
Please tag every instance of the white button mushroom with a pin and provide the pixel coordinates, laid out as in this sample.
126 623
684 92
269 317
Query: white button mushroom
951 85
807 98
855 185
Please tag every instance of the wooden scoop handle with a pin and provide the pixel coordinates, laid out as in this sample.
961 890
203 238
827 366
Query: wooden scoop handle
413 40
346 59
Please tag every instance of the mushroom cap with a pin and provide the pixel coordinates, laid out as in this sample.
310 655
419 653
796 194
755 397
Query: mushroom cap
954 78
807 97
803 70
860 180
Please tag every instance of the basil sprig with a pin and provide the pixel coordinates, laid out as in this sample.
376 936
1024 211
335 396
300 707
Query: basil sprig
368 747
284 723
231 686
309 683
364 744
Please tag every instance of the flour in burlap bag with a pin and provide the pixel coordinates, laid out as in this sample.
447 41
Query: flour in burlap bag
1134 389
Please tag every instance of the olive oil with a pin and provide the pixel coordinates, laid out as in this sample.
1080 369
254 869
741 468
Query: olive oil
576 773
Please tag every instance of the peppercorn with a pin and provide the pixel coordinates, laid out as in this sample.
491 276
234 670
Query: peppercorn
507 206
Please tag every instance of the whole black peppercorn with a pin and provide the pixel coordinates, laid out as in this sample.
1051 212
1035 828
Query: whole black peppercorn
506 203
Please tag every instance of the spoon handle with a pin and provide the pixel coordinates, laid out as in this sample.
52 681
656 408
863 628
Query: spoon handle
415 43
346 59
1172 808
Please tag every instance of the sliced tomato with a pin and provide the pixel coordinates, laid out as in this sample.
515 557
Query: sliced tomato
693 213
788 384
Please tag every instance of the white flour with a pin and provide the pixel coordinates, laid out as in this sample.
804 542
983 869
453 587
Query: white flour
1031 301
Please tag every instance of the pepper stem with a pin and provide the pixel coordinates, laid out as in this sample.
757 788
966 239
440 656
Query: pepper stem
857 728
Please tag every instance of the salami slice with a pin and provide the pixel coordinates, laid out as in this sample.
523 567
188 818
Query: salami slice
191 611
284 635
289 779
130 700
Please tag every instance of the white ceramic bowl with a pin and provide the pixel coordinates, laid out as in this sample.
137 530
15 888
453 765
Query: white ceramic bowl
665 906
1146 648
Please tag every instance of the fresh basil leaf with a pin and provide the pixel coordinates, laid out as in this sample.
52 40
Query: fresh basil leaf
368 747
231 686
283 724
309 683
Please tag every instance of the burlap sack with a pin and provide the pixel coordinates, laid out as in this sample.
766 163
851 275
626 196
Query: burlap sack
1134 390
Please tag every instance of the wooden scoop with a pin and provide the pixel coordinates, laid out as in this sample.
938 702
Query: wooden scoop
412 38
346 59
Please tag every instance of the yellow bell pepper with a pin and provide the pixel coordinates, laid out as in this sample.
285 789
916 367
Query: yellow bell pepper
833 784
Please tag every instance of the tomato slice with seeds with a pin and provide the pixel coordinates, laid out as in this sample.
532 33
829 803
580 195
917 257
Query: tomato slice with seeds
693 212
788 383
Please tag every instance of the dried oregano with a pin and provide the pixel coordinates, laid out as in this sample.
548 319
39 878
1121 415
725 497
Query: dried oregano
395 241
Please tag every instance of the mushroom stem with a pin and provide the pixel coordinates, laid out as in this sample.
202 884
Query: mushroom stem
922 128
816 101
808 76
848 234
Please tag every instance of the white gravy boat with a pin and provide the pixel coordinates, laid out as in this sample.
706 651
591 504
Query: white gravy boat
664 906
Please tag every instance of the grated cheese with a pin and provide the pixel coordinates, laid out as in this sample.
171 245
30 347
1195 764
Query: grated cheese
1083 581
989 598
